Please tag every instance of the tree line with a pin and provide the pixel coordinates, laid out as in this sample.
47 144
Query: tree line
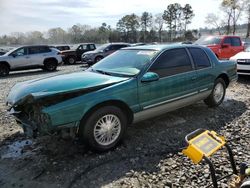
170 25
163 27
233 11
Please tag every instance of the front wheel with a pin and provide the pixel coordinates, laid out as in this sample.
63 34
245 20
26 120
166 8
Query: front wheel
98 58
104 128
4 70
218 93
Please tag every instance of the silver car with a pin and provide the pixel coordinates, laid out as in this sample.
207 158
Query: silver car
30 57
104 50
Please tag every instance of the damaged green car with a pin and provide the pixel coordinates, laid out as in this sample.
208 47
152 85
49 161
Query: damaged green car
131 85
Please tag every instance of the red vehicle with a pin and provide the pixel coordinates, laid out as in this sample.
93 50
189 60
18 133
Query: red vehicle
224 47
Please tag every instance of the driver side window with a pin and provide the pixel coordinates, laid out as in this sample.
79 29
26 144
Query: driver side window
20 52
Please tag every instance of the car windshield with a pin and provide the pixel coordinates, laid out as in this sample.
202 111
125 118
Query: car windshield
124 62
208 40
10 51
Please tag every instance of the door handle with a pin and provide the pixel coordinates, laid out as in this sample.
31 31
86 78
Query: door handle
193 78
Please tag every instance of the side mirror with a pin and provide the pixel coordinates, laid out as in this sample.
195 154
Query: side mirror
150 77
225 45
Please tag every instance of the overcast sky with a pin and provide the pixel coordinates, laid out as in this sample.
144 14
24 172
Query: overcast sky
28 15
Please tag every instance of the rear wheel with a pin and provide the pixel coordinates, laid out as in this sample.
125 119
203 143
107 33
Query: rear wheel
104 128
218 93
71 60
98 58
4 70
50 65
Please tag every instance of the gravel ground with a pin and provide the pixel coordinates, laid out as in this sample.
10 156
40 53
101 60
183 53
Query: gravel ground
149 156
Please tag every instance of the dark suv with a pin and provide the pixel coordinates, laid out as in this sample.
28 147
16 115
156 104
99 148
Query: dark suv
73 55
61 47
101 52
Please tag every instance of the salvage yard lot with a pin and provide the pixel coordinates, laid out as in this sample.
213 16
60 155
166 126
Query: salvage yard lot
148 156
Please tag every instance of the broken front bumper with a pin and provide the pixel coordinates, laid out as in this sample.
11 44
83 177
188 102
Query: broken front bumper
33 123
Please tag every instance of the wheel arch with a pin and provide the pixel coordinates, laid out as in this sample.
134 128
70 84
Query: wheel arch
5 63
49 59
225 77
120 104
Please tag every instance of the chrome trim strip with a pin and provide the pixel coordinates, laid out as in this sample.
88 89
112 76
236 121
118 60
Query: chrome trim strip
162 109
170 100
205 89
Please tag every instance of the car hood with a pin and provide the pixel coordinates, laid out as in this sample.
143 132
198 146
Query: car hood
75 84
241 55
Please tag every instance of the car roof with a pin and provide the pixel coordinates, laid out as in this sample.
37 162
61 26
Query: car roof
160 47
119 43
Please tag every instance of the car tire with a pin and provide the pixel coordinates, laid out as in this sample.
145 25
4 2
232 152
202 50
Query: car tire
71 60
104 128
4 70
217 95
98 58
50 65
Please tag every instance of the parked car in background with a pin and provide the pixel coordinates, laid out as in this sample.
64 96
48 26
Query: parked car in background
101 52
130 85
76 51
224 47
138 44
60 47
246 45
29 57
243 62
2 52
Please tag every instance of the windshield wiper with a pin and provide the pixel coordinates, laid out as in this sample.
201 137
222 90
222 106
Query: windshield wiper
101 71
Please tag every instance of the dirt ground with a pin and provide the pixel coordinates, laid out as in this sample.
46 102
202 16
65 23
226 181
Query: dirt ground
149 156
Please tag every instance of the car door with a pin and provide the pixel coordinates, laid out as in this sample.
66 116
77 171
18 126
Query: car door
176 79
226 48
36 57
203 65
80 50
19 58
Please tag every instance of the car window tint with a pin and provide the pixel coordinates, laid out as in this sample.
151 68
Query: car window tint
200 58
172 62
34 50
44 49
236 41
227 41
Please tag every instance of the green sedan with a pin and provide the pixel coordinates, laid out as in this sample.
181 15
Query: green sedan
131 85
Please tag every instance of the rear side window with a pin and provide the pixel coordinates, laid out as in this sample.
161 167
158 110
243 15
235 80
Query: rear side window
172 62
235 41
44 49
200 58
39 49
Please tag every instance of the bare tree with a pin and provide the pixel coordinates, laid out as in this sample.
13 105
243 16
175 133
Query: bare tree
248 17
213 20
159 21
233 10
